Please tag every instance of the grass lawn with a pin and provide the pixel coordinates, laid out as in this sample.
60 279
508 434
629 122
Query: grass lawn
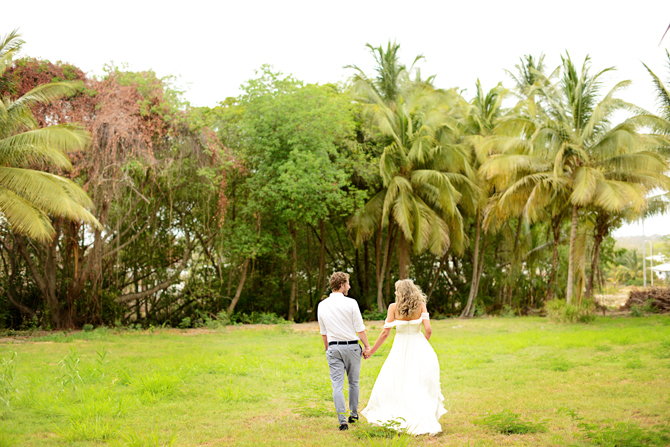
582 384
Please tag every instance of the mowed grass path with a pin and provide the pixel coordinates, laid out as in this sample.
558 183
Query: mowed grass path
270 386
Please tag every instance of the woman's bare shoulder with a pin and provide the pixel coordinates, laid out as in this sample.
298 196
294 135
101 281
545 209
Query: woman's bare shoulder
390 313
423 307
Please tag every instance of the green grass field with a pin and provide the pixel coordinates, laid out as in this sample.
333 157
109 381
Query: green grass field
607 383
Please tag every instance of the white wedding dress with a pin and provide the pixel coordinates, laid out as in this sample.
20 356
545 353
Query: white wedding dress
408 385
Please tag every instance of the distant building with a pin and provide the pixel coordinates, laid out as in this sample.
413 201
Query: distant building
658 259
662 271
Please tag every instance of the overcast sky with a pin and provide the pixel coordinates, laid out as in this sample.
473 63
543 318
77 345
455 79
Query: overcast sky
215 46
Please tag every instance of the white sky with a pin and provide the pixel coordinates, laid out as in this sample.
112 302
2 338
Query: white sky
215 46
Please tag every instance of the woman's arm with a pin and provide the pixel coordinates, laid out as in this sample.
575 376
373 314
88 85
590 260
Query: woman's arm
380 341
390 317
426 324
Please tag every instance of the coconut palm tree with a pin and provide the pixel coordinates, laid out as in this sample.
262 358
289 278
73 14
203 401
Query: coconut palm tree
423 170
28 196
576 152
480 119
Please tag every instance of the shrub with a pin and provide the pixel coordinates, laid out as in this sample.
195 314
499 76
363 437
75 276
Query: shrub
87 327
389 429
509 423
636 311
210 321
649 307
257 318
507 312
561 312
373 316
185 323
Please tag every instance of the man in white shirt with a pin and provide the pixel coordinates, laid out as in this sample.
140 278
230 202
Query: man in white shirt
340 321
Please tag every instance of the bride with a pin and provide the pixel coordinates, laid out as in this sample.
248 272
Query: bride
407 389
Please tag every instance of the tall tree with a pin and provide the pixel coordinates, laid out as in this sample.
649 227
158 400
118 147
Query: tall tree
423 169
480 118
293 134
578 152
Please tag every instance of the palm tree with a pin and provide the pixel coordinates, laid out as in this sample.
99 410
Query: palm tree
422 168
480 119
515 196
28 197
578 153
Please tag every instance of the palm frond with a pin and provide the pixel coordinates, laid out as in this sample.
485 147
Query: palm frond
44 93
584 185
662 93
24 218
50 193
40 146
366 220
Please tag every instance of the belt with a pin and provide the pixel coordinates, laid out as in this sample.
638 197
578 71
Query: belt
350 342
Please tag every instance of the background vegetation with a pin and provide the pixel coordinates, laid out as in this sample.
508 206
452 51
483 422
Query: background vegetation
159 213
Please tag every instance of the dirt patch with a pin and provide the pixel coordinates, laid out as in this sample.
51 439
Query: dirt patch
220 441
312 326
614 301
11 340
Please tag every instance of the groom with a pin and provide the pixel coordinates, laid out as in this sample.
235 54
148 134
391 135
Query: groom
340 320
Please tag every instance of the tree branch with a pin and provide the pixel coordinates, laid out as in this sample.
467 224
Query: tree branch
41 282
165 284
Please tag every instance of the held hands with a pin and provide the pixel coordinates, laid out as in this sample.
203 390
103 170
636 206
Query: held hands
367 353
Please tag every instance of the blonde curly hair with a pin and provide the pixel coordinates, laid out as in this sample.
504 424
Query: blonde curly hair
409 298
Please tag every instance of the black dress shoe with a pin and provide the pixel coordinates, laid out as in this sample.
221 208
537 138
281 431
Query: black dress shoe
344 427
353 419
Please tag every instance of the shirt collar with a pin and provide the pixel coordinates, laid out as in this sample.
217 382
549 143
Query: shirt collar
337 294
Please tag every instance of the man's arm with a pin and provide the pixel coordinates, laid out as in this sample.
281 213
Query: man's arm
322 327
364 338
359 327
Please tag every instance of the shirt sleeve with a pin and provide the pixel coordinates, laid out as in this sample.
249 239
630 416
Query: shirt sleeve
424 316
322 326
359 326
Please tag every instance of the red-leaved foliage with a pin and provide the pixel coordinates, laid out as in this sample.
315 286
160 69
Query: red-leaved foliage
123 121
127 116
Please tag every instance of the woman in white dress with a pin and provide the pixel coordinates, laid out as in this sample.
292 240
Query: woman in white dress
407 389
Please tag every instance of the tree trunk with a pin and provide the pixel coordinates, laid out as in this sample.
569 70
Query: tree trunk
11 271
554 261
240 286
382 269
480 269
322 260
436 277
404 253
475 266
378 267
597 240
392 247
294 272
571 260
366 271
359 275
47 283
515 261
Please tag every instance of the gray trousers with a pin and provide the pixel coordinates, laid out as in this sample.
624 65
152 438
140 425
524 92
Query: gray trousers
343 358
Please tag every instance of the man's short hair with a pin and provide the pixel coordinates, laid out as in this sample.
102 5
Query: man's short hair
337 280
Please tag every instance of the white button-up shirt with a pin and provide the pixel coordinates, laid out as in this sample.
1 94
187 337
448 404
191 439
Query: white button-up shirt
340 318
